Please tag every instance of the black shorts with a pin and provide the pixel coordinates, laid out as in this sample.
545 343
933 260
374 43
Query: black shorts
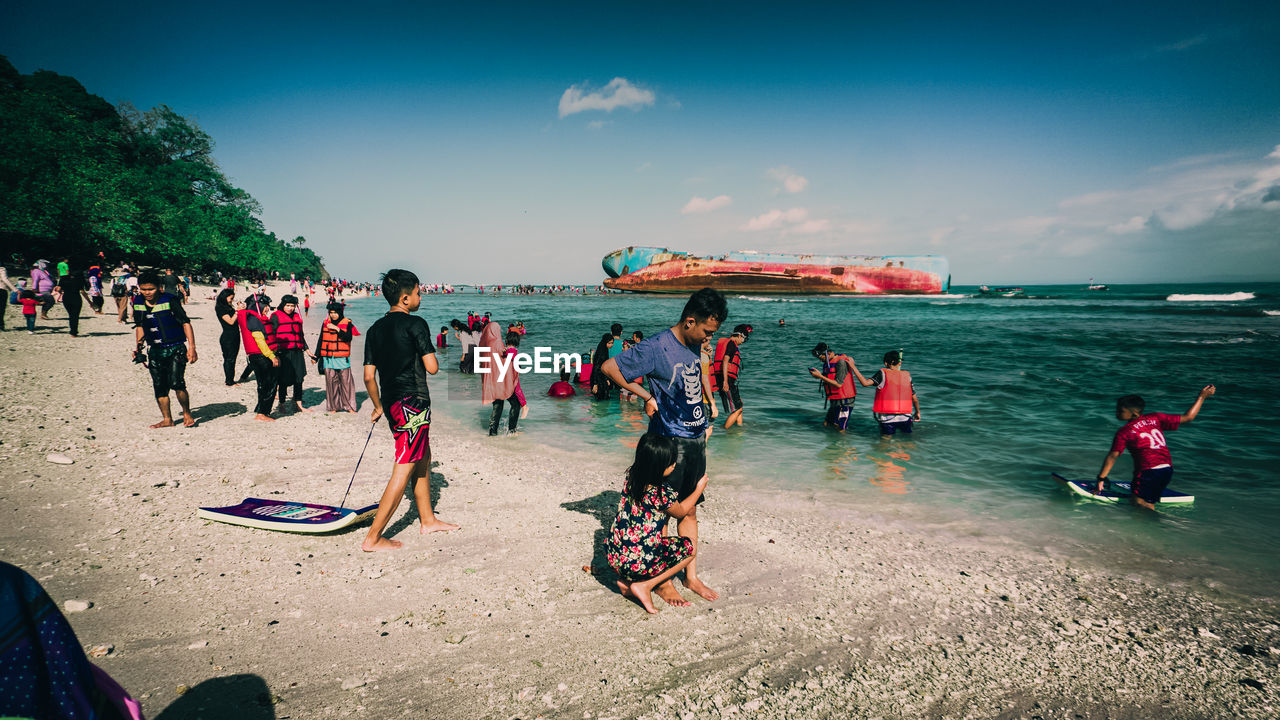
838 415
691 465
168 367
1150 484
730 398
902 426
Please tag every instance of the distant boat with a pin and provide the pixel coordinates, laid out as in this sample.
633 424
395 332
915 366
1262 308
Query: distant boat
1001 291
1096 286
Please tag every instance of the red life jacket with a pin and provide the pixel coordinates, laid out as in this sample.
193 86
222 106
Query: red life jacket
895 397
250 344
330 344
288 331
848 389
717 363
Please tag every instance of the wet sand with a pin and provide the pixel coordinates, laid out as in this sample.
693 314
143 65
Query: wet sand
825 611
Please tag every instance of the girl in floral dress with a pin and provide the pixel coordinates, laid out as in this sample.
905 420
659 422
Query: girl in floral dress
637 549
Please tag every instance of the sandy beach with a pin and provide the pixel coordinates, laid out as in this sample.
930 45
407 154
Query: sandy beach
826 611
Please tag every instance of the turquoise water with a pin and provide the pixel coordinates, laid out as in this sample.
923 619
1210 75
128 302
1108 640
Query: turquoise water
1010 389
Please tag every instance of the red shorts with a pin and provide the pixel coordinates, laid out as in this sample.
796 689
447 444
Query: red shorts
410 420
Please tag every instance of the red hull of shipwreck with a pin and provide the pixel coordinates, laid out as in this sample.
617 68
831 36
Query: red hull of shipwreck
688 275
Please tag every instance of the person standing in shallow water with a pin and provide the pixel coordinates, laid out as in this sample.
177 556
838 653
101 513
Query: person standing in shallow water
673 401
398 356
163 326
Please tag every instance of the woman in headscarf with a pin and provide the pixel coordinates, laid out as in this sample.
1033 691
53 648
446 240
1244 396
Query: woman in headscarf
42 285
495 392
334 352
599 382
225 309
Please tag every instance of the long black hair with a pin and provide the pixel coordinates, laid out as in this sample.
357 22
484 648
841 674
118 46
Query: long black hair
654 454
223 304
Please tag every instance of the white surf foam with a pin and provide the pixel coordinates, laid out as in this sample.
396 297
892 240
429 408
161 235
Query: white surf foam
1231 297
769 299
1272 312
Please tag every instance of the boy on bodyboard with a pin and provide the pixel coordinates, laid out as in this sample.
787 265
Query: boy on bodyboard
1143 435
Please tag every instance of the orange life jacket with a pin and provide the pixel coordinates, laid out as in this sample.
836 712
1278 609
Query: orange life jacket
847 389
717 363
288 330
895 397
250 344
330 344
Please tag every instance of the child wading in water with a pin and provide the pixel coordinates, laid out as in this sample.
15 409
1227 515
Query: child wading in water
637 549
1143 435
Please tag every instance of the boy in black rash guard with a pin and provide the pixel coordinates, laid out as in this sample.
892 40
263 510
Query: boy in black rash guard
163 327
398 356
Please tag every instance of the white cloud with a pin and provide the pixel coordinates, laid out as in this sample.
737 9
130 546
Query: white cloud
791 181
776 219
1137 223
809 227
698 205
618 93
597 124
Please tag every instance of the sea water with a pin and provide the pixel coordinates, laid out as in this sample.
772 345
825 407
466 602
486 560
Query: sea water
1010 390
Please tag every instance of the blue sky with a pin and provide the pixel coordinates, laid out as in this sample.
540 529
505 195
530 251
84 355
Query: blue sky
491 142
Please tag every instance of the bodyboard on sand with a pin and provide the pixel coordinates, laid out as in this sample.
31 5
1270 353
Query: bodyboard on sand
287 516
1117 490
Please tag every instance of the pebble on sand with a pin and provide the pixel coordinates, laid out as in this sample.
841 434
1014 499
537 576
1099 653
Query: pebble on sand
73 606
59 459
98 651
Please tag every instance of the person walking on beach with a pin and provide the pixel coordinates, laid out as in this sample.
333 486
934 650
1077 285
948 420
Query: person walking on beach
95 288
229 339
72 291
27 299
673 401
334 353
398 356
258 333
42 283
896 407
1143 435
725 367
291 348
637 548
163 326
173 285
6 287
837 378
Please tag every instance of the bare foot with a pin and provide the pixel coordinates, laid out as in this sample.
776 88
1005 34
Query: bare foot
701 589
640 592
300 408
667 591
436 526
380 544
624 587
162 423
264 418
187 420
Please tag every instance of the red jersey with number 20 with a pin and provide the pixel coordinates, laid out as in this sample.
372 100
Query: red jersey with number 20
1144 437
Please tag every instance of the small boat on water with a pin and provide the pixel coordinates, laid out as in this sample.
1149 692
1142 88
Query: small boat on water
1096 286
1001 291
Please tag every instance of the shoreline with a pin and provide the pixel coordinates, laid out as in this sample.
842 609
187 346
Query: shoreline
825 611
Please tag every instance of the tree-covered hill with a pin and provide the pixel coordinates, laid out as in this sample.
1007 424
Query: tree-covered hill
79 176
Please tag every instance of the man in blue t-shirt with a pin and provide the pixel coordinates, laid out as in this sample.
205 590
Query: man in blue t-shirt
672 361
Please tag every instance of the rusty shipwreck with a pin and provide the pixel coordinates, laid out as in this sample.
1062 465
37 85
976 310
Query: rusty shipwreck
660 270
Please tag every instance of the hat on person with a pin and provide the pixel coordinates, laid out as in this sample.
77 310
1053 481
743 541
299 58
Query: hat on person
820 349
288 300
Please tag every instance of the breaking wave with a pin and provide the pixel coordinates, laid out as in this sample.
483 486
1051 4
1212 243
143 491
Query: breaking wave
1231 297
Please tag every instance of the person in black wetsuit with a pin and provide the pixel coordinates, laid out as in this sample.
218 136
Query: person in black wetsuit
230 337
